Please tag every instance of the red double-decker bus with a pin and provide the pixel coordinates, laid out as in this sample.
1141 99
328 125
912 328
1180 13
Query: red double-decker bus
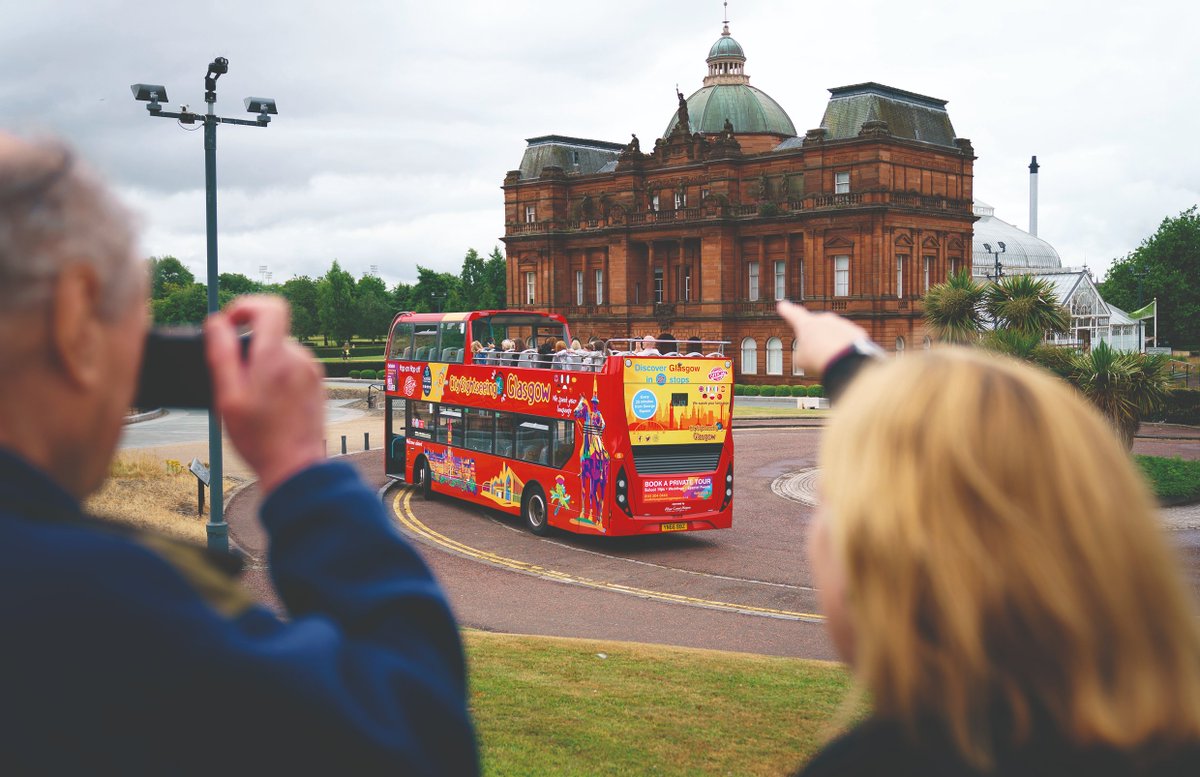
596 442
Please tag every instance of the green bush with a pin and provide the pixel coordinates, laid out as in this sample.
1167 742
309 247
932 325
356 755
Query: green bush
355 373
768 391
369 374
1182 407
753 391
799 391
335 351
342 369
1174 481
816 390
739 389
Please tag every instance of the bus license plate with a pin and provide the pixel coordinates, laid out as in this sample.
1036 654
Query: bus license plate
674 526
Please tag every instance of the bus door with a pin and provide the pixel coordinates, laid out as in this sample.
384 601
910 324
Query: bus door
395 422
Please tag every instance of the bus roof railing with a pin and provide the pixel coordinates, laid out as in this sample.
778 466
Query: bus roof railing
683 347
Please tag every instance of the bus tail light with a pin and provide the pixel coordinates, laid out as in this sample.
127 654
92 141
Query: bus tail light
728 487
622 492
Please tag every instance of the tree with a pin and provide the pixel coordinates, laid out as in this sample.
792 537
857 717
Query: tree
182 305
374 307
436 291
237 284
472 281
495 274
301 294
335 304
402 294
1124 385
1026 303
168 274
1166 265
953 309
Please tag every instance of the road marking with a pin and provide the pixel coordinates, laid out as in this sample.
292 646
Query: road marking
402 508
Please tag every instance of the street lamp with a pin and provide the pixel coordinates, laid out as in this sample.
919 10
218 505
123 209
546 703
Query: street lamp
438 298
154 95
997 268
1141 274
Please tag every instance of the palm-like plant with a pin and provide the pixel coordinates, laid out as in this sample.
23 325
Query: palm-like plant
1125 386
1013 342
954 309
1027 304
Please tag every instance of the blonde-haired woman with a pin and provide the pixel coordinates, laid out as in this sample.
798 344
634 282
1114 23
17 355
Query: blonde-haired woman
990 566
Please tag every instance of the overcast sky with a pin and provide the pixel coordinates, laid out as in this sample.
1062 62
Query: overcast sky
398 120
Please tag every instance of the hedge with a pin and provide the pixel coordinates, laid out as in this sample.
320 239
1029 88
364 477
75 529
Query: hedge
753 391
1182 407
343 369
332 351
739 389
369 375
799 391
816 390
768 391
355 374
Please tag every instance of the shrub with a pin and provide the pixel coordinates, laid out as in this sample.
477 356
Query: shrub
768 391
739 389
754 391
369 374
816 390
1182 407
340 369
799 391
355 374
1174 480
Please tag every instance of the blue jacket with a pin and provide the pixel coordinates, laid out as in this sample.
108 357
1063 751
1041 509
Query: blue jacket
124 652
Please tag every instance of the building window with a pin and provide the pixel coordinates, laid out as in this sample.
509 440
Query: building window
637 292
599 287
654 203
752 285
530 287
800 268
680 200
953 266
899 345
749 356
774 356
780 279
574 157
841 183
579 287
658 285
926 343
841 276
900 277
926 265
687 283
796 368
530 214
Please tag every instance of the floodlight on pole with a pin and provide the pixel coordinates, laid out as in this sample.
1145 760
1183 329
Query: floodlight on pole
154 94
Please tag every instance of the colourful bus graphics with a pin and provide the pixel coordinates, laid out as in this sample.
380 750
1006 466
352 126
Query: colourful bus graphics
677 400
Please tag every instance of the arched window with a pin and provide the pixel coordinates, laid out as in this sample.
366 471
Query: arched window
899 345
796 368
749 356
927 343
774 356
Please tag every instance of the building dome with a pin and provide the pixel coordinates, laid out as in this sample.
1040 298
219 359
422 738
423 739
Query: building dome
1022 251
727 95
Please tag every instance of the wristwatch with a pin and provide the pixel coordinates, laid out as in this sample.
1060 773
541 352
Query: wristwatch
863 346
842 368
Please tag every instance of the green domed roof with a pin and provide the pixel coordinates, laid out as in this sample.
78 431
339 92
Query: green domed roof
726 46
747 108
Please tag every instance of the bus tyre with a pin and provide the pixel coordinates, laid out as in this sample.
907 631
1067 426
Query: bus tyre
426 479
533 510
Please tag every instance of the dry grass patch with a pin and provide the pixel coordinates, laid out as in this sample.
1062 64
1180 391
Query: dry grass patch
155 494
551 706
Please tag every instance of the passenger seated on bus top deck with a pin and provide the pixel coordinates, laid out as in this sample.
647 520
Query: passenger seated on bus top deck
649 347
667 345
575 346
545 354
694 347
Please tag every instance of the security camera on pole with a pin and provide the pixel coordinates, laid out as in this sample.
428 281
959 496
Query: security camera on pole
154 94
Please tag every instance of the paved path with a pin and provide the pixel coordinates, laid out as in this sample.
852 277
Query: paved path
185 425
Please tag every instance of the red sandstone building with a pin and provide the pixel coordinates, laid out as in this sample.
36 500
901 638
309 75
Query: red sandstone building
731 210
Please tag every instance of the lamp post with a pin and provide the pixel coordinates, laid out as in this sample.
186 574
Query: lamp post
997 268
438 297
1141 274
154 94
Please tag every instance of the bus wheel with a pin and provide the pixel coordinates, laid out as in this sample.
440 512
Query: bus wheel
426 480
533 510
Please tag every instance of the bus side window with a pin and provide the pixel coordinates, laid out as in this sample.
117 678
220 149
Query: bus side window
401 340
450 425
479 429
533 440
564 442
453 341
504 434
422 420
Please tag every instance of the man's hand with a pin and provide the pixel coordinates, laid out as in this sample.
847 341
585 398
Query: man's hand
272 401
819 336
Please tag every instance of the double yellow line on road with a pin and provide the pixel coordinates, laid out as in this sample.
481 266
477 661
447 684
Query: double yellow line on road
402 507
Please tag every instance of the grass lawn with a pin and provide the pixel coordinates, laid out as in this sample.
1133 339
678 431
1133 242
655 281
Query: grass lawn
1173 480
549 706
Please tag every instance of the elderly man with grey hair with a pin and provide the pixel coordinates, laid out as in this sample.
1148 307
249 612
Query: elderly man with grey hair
125 652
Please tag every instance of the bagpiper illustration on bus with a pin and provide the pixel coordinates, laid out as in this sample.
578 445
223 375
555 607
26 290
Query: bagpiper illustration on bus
593 462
